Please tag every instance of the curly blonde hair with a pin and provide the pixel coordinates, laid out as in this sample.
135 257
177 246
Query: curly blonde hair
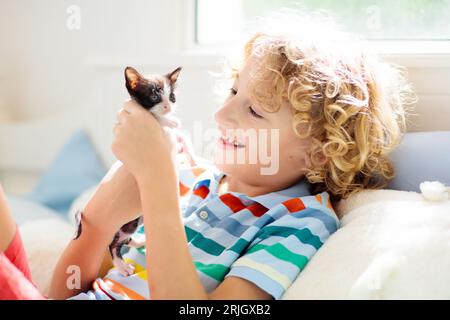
349 103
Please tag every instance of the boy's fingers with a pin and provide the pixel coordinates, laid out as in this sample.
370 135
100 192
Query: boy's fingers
121 115
131 106
122 110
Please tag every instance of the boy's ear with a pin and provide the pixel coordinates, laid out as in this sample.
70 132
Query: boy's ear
173 76
132 78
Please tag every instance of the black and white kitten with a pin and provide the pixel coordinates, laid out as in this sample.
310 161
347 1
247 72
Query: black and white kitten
156 93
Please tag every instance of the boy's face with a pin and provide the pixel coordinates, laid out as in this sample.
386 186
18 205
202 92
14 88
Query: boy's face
258 148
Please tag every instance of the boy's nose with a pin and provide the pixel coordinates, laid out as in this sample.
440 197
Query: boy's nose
224 116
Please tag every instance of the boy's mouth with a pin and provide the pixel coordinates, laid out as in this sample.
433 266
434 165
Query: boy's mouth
229 142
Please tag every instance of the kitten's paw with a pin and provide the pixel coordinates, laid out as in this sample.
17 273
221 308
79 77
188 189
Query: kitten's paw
125 269
137 241
170 122
174 123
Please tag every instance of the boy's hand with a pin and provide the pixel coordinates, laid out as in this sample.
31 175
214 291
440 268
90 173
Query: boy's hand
146 148
185 150
115 202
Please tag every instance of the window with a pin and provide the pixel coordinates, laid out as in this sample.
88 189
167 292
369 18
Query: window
218 21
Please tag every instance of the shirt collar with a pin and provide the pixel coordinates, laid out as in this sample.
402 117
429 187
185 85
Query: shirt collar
269 200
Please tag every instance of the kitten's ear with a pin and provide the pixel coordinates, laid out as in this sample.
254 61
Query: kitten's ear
173 76
132 78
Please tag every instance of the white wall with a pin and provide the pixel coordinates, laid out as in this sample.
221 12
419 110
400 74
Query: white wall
42 56
47 70
53 80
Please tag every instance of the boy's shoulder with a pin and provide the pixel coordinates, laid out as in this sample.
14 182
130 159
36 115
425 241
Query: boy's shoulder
311 205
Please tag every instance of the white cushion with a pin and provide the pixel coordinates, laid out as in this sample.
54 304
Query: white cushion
25 210
392 245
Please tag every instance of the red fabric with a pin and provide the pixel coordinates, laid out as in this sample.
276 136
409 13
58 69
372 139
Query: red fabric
15 275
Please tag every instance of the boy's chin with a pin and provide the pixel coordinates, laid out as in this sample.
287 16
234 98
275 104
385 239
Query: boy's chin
245 171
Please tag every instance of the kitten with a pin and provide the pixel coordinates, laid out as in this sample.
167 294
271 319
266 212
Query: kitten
156 93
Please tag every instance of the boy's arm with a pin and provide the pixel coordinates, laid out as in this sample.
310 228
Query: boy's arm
115 202
7 224
171 270
106 264
81 262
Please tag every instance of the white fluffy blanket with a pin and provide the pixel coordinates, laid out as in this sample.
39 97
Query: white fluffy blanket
392 245
45 241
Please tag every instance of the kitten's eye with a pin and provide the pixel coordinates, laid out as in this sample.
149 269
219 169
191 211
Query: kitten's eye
253 113
154 97
233 91
172 97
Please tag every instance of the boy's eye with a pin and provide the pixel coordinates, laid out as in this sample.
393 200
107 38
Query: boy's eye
253 113
250 109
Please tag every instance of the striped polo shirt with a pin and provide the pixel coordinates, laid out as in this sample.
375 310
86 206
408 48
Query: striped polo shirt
266 239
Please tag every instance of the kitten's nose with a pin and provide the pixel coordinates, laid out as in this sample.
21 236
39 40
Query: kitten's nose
166 108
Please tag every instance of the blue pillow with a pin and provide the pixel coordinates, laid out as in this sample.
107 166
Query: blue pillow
76 168
422 156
